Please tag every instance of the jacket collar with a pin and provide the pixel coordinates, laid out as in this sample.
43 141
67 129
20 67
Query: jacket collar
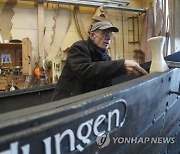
101 54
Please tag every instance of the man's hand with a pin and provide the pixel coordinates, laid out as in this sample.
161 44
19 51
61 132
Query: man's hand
133 67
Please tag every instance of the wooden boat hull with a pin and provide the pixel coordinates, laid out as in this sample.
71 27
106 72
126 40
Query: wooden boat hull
23 98
138 116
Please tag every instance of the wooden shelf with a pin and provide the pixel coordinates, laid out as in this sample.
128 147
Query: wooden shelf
18 81
20 54
11 45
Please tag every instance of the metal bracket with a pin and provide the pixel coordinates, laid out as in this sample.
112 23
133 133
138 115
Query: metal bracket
173 64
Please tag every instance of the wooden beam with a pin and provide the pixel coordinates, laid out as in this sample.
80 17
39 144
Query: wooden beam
26 57
41 34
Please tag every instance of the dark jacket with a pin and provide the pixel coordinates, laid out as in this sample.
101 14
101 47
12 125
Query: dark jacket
87 68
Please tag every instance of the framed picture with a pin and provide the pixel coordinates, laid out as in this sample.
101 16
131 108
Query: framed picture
5 58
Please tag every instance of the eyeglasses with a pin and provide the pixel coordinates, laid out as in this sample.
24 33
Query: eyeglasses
106 33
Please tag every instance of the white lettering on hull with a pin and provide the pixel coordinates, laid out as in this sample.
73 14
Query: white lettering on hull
91 126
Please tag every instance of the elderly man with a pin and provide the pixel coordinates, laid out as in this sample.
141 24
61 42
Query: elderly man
88 66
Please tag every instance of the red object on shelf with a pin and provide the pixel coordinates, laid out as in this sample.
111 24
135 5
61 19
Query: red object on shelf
37 73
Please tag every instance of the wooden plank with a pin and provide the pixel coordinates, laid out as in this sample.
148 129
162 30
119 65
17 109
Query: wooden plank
41 33
6 15
26 57
3 83
59 34
11 45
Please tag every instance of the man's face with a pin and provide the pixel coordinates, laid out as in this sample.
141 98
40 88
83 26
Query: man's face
102 38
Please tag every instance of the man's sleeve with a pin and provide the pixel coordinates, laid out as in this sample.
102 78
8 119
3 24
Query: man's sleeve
80 61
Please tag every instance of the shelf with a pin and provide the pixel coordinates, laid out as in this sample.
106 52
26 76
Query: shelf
95 3
14 54
19 53
11 45
6 81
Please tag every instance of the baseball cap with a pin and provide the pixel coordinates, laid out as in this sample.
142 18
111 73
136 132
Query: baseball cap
104 25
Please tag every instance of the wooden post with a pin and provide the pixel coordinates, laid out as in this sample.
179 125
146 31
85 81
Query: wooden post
41 33
26 57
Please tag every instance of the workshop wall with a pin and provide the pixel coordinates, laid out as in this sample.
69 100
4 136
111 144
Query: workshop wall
65 24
